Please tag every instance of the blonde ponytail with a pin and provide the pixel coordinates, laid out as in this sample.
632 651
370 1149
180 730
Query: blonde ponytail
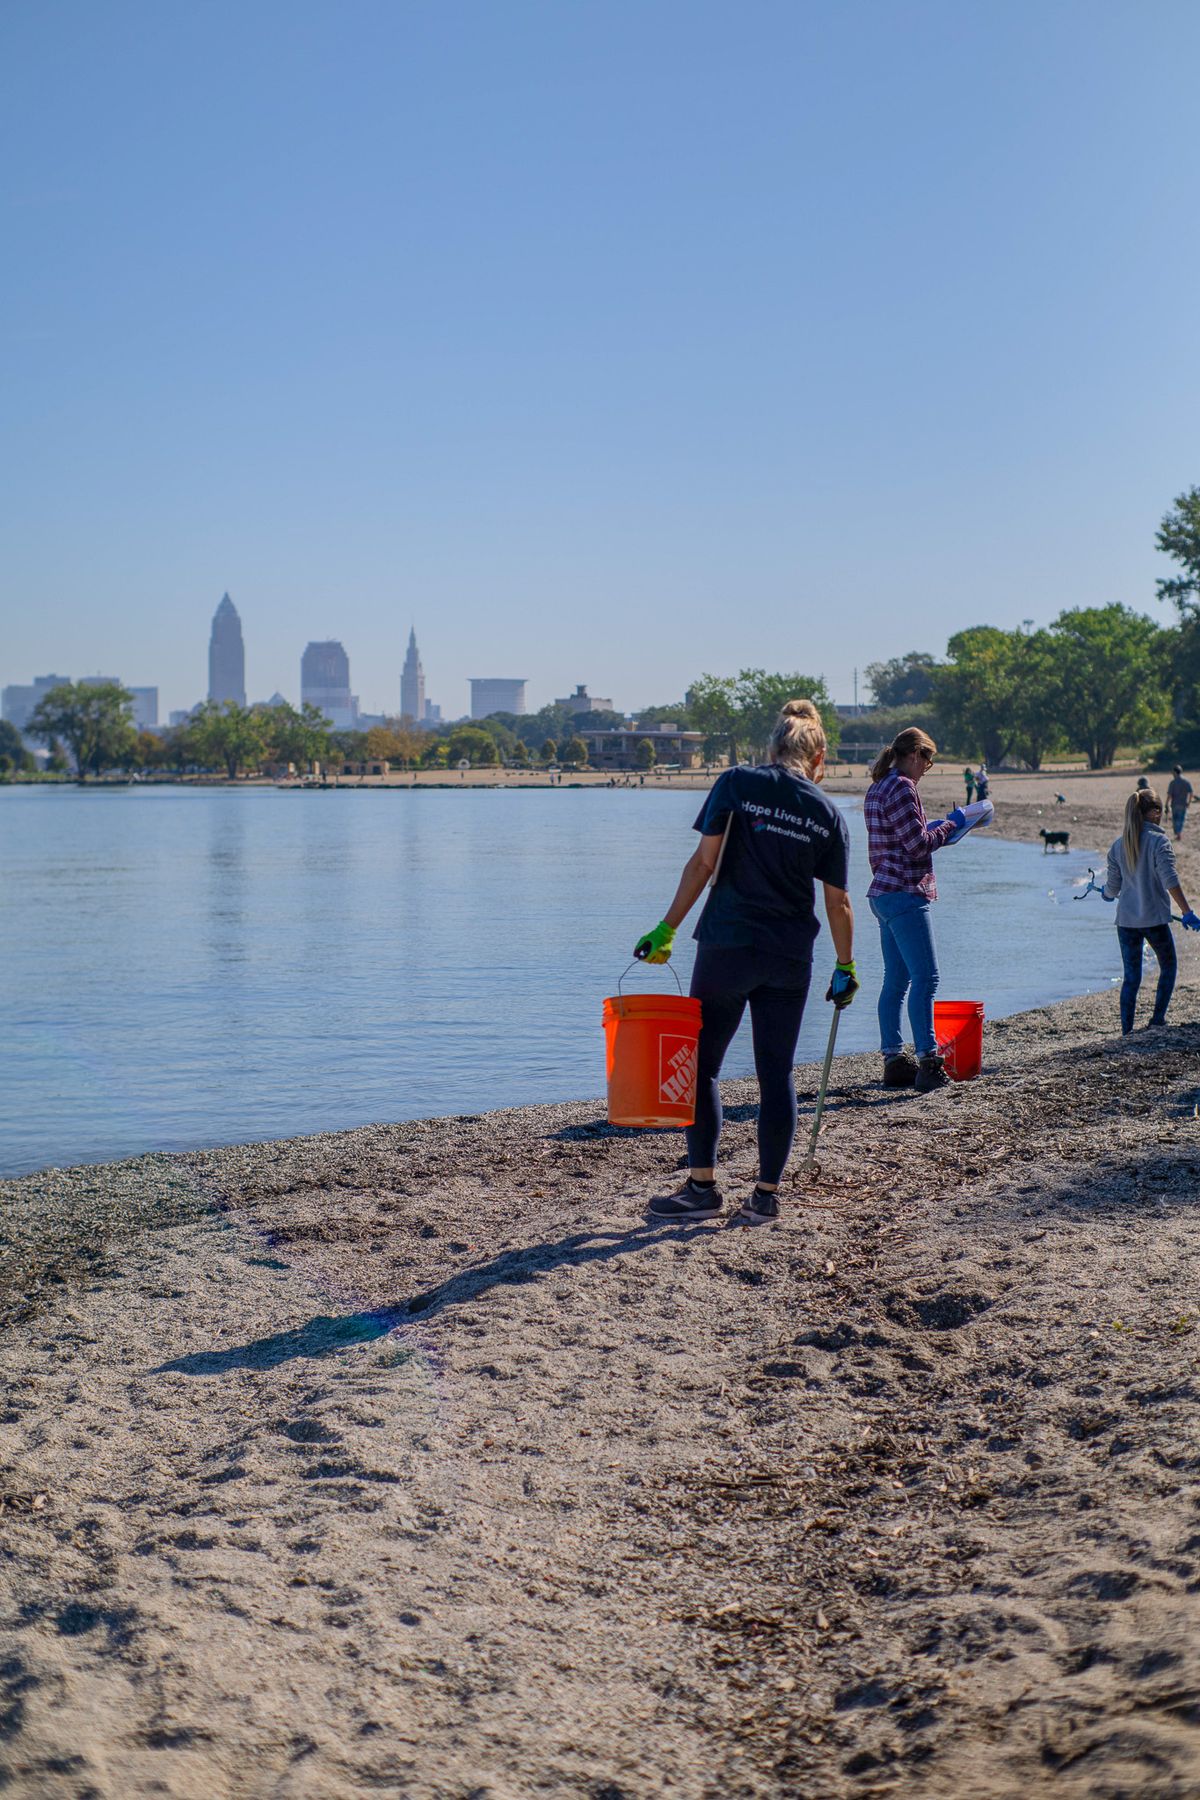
1140 804
799 736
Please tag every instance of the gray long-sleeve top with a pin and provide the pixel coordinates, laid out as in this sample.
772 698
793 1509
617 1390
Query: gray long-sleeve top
1141 893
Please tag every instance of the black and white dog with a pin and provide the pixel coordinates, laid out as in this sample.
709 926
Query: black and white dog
1054 840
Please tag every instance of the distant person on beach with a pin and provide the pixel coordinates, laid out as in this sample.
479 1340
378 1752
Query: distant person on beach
769 834
1179 798
981 783
1143 880
900 846
969 783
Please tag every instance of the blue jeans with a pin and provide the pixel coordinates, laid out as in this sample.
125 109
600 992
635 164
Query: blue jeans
1163 945
909 966
776 988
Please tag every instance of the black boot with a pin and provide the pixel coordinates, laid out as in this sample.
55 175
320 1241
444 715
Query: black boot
899 1071
931 1073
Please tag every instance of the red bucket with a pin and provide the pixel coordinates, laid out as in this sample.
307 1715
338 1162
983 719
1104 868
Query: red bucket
650 1044
958 1028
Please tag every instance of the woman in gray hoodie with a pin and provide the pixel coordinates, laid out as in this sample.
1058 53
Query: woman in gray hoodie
1143 880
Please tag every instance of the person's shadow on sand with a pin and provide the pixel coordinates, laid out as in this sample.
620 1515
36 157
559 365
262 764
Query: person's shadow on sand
325 1336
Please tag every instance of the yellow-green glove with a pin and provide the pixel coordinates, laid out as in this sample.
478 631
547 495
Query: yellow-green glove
844 985
655 947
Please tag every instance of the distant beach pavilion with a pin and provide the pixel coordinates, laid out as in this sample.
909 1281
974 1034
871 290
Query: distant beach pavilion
673 748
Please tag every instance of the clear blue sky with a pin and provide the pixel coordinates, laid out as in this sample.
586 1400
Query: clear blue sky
606 342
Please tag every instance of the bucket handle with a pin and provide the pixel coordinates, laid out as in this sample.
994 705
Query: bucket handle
636 964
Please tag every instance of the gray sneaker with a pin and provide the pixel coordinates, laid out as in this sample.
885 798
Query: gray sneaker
759 1209
691 1202
931 1074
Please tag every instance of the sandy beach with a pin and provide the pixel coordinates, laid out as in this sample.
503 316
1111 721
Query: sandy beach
407 1460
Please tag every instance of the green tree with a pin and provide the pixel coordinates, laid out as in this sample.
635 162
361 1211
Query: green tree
383 743
295 737
468 743
883 723
975 692
1037 699
534 728
177 749
502 735
12 745
549 751
645 755
679 713
95 723
905 681
351 746
1179 538
713 705
1111 687
223 734
598 721
150 752
760 698
575 751
520 755
434 755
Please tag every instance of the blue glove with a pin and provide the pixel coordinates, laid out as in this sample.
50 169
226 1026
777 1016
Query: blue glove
1191 922
843 986
957 818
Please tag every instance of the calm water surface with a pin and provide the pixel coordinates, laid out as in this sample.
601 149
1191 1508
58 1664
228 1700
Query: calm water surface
187 967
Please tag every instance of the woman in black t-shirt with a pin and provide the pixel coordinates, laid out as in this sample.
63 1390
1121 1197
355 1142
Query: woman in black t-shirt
774 835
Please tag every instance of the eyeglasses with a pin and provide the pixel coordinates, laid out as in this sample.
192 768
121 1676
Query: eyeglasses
926 754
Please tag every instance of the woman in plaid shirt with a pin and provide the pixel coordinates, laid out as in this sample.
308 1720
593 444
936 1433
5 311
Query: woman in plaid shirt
900 846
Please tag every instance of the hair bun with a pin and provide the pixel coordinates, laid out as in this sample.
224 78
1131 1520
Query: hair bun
801 709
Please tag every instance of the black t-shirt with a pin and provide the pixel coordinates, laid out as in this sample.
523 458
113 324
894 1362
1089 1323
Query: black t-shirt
784 837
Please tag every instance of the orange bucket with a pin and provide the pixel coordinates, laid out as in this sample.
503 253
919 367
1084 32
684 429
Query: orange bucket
958 1028
650 1050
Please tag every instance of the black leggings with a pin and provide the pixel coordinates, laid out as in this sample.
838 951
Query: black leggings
776 988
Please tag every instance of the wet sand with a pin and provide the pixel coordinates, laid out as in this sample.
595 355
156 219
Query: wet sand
408 1461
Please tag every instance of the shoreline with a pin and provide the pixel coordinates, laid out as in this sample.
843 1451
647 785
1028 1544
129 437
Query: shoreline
406 1458
1091 811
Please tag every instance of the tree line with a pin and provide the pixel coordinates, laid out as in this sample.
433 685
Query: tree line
1093 679
89 727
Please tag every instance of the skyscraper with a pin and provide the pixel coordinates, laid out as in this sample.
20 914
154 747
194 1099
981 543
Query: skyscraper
496 693
227 655
325 683
412 683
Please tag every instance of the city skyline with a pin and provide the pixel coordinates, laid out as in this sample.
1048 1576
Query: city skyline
325 682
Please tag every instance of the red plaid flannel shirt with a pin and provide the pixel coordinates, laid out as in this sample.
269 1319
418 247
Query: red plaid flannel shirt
900 841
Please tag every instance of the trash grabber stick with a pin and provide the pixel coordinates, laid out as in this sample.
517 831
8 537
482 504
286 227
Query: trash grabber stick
812 1142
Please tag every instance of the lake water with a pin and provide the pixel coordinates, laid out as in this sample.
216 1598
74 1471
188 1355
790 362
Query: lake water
195 966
